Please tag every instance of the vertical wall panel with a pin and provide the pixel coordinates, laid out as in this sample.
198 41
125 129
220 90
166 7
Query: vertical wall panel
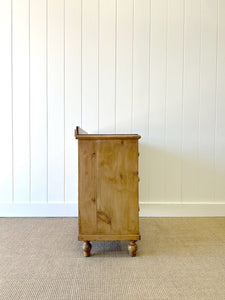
72 94
124 66
55 100
90 29
158 65
141 88
107 43
21 105
153 67
5 103
141 67
190 124
220 108
207 100
174 94
38 101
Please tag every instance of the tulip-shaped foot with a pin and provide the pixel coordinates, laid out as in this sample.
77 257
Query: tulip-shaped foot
87 248
132 248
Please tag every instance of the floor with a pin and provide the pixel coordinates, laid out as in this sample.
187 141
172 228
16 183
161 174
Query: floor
178 258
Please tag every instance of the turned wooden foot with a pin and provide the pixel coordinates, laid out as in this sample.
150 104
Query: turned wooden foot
87 248
132 248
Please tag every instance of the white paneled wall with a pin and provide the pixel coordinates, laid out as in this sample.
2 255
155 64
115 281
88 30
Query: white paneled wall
153 67
38 103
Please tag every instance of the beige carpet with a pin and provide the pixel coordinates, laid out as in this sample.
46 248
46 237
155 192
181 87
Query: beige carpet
178 258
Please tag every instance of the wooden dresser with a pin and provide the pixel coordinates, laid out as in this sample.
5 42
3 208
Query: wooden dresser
108 188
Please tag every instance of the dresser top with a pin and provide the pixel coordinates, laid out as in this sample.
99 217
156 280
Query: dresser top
80 134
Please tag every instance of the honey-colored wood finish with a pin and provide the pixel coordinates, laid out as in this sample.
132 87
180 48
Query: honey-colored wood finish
132 248
81 134
87 248
87 187
117 189
79 131
108 188
107 237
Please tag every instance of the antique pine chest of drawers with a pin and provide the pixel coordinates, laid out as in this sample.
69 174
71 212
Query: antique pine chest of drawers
108 188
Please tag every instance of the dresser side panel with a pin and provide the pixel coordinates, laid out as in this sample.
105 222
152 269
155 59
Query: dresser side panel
117 187
87 187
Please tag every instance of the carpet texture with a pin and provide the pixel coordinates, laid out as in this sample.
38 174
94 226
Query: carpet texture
178 258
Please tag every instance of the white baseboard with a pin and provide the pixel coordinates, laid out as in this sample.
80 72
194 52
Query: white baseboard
147 209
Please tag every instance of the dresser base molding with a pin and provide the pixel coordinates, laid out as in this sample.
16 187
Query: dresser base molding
131 237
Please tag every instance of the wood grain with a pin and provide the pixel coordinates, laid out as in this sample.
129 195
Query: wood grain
108 237
87 188
117 189
108 136
108 187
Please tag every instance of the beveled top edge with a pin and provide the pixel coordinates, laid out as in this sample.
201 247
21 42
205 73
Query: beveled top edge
108 137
